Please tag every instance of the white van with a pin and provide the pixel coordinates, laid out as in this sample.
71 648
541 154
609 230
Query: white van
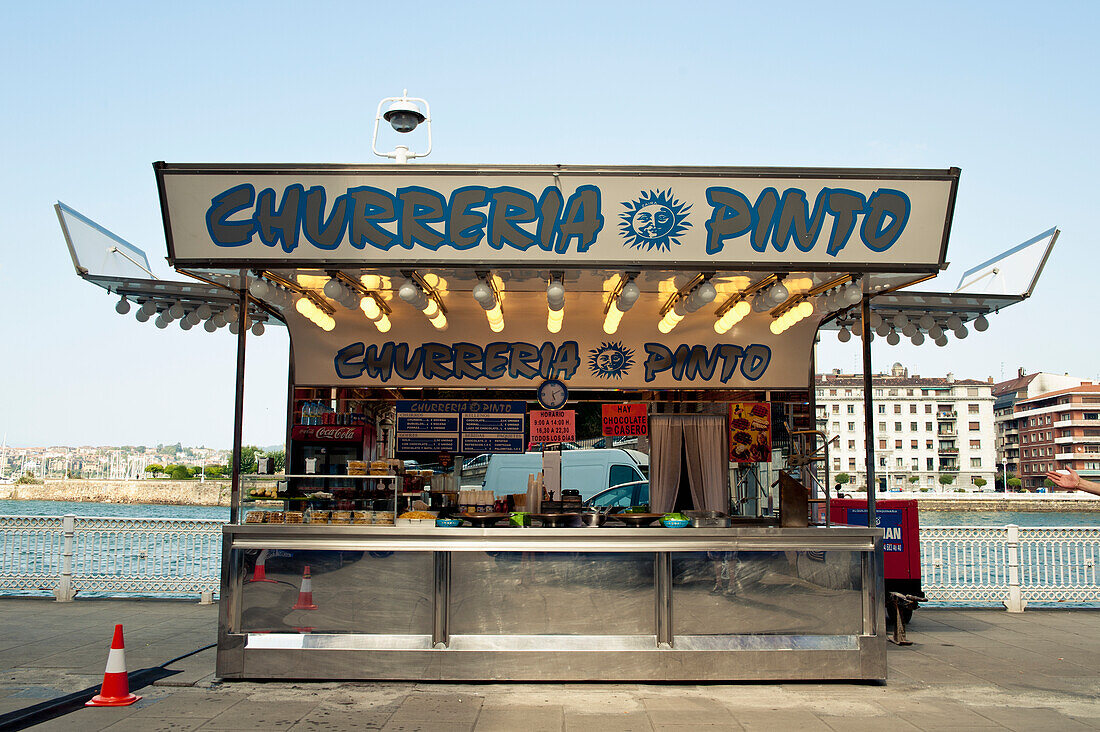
589 471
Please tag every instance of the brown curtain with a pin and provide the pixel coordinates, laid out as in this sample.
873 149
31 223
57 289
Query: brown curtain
703 437
665 437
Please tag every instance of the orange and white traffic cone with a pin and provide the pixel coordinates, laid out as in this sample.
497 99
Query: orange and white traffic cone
259 572
115 691
305 595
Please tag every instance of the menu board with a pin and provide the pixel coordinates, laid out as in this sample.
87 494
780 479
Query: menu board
465 427
750 432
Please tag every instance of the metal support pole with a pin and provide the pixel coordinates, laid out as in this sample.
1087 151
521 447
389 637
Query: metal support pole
868 411
64 591
663 589
1015 602
441 599
238 405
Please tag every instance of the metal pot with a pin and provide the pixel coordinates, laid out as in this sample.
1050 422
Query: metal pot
708 519
593 518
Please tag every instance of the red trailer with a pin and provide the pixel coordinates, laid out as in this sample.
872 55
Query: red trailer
900 544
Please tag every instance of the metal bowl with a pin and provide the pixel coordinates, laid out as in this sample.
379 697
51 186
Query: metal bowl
554 520
637 519
483 519
592 518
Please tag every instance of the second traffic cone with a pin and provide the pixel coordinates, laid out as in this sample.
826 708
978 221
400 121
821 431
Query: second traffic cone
115 691
305 595
259 572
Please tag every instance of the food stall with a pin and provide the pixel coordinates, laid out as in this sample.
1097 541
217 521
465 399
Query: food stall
443 312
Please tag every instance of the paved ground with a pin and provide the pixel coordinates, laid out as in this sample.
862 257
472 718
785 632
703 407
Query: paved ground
969 669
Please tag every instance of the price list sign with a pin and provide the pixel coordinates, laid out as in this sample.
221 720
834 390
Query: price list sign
465 427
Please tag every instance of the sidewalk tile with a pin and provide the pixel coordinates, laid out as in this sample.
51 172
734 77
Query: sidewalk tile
258 714
1031 720
528 719
626 722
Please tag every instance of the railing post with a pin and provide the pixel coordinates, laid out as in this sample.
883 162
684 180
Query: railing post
1015 602
64 591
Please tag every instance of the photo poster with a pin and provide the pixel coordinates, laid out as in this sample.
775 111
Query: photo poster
750 426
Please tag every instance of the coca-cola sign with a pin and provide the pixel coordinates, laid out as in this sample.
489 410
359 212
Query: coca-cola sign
330 432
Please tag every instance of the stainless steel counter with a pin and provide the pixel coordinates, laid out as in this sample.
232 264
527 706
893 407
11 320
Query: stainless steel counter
551 604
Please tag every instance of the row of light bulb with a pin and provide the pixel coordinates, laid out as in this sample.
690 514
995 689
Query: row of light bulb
412 293
697 298
615 309
309 310
915 329
485 297
732 317
187 319
799 312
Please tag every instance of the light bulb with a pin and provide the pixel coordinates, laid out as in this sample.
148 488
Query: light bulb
980 324
431 309
852 294
630 294
370 308
204 312
776 327
954 322
665 327
941 341
935 332
893 339
483 293
927 321
234 327
611 320
371 281
210 326
706 292
876 320
961 332
304 306
257 328
383 324
909 330
496 326
805 308
555 295
218 320
917 338
259 289
882 329
142 316
439 322
408 292
185 324
844 335
328 324
759 302
122 306
333 290
161 322
742 308
900 321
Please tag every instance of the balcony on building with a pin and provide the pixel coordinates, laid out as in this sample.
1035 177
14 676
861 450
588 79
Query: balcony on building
946 415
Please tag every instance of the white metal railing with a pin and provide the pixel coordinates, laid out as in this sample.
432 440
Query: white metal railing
1010 564
71 554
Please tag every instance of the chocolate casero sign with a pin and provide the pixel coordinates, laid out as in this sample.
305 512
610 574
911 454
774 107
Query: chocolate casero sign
556 216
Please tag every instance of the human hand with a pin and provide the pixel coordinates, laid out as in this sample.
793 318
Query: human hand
1072 480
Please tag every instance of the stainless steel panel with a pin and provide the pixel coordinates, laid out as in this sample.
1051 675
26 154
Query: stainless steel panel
347 641
354 592
762 593
663 600
532 593
767 643
554 643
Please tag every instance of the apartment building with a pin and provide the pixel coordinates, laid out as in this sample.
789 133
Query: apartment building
1059 429
1006 395
924 428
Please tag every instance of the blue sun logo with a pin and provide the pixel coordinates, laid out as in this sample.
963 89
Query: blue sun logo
610 360
654 221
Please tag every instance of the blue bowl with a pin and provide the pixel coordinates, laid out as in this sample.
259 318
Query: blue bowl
669 523
449 522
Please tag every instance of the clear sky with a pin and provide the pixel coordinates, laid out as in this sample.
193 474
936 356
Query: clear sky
93 93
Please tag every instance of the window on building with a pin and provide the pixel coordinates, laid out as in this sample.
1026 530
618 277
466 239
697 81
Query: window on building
976 462
836 463
882 462
912 426
975 427
908 392
851 409
851 426
897 409
836 426
928 409
878 392
972 391
972 408
912 444
928 444
899 462
897 444
836 409
851 444
847 392
915 465
912 409
882 444
897 426
929 464
832 392
851 463
881 426
927 426
975 444
893 392
882 409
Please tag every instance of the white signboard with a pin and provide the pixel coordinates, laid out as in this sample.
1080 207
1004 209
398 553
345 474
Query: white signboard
555 216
